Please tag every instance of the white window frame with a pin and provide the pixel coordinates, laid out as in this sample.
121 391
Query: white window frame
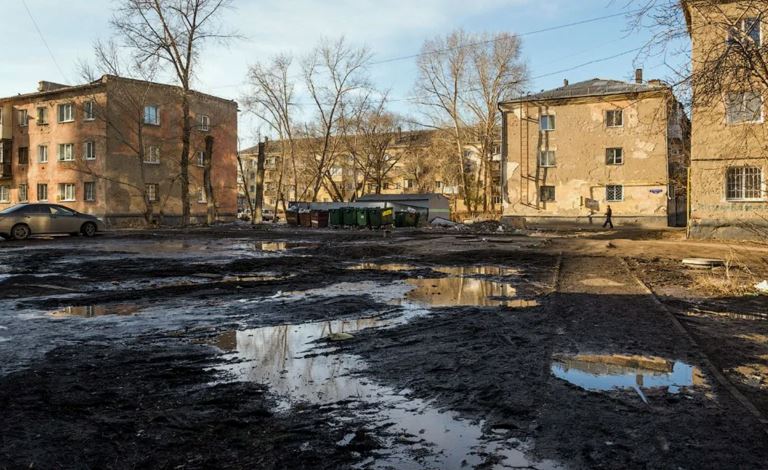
743 177
23 117
42 154
200 158
610 156
23 192
152 155
546 162
729 100
541 192
204 123
42 116
89 150
62 116
152 115
201 199
152 190
67 192
89 191
5 193
613 198
45 187
551 122
614 112
89 111
66 156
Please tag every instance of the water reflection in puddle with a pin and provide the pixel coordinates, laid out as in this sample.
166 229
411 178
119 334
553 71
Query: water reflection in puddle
394 267
613 372
88 311
418 434
462 291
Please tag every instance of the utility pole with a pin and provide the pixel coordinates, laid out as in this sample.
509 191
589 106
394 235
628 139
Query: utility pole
257 215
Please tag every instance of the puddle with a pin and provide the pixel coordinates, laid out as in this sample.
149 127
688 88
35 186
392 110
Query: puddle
395 267
273 246
95 311
476 270
614 372
462 291
417 435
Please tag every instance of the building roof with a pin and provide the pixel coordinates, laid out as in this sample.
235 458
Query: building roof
401 197
594 87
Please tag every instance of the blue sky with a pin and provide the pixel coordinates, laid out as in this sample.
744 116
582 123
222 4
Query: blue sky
390 28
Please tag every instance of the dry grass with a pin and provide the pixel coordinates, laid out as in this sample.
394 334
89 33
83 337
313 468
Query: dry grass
734 279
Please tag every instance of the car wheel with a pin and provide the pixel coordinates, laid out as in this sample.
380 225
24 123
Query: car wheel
20 232
88 229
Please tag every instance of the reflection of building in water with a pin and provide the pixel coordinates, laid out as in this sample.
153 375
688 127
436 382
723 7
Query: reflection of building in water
88 311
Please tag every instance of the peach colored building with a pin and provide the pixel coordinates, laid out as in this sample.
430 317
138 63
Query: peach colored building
112 148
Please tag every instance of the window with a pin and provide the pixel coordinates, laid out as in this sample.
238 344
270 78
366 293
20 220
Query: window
409 183
152 115
67 192
42 154
151 190
152 155
89 191
547 158
614 118
546 194
42 116
23 155
744 107
203 123
42 192
201 158
23 193
201 196
66 112
89 150
614 193
66 152
745 183
547 122
614 156
89 111
747 28
5 193
23 118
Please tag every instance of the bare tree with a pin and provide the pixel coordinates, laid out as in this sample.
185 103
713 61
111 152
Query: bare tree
172 32
334 72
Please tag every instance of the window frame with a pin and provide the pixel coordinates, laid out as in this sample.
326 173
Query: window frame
151 158
59 116
200 159
613 162
614 199
550 190
60 156
19 159
92 196
551 119
728 102
19 192
42 116
614 112
42 151
89 144
741 28
154 195
89 110
552 164
147 115
45 187
63 196
761 190
204 123
23 121
201 199
5 193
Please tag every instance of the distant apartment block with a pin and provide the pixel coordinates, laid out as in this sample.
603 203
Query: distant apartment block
112 148
729 149
570 152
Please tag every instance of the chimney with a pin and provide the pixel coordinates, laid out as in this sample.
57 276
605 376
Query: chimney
565 82
639 76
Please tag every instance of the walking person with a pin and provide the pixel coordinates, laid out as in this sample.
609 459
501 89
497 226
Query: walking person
608 215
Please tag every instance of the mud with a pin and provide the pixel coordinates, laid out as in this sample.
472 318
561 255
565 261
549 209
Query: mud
212 349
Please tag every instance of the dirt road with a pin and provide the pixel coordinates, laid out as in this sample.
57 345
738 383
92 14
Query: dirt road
205 349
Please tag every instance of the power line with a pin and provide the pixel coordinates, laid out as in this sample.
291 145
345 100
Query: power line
42 38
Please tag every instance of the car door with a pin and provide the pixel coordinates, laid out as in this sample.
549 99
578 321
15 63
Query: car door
63 220
37 217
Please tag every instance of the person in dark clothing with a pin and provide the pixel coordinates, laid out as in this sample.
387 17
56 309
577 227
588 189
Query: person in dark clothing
608 215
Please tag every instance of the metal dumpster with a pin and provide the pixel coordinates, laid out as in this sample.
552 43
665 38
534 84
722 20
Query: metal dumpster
335 218
361 215
406 219
305 219
292 217
349 216
380 217
319 219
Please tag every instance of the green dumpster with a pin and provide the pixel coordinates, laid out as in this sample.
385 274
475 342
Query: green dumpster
406 219
335 218
349 216
379 217
361 215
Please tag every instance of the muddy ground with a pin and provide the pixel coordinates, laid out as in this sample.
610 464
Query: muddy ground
216 349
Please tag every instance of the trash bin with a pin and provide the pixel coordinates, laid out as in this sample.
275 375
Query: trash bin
292 217
406 219
335 218
379 217
361 215
319 219
349 216
305 219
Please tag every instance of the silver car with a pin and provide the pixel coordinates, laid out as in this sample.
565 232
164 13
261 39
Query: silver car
21 221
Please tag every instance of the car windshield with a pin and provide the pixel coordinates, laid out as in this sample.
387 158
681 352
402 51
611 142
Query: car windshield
13 209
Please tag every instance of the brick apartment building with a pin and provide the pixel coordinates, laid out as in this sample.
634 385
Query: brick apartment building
571 151
112 148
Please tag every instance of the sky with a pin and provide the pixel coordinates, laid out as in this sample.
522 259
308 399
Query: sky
389 28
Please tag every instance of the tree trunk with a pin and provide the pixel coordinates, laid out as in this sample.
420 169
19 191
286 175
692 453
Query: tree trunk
207 183
257 215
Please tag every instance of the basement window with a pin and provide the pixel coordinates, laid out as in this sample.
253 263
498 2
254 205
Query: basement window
614 193
547 122
547 194
745 183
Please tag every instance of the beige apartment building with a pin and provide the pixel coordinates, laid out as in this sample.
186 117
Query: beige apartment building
729 148
112 148
570 152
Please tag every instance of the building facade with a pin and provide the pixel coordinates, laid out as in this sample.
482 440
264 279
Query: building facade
570 152
112 148
729 148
